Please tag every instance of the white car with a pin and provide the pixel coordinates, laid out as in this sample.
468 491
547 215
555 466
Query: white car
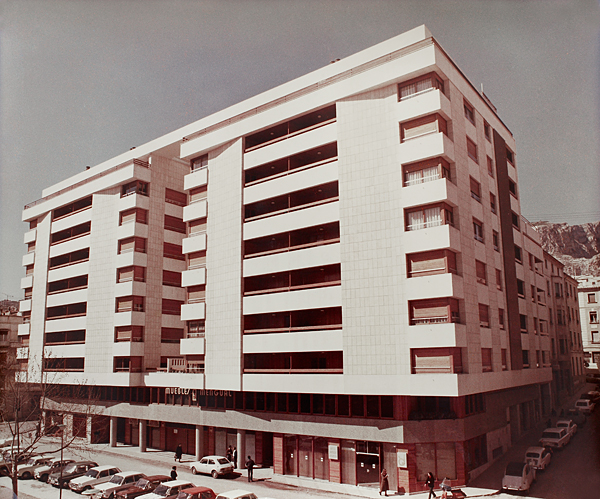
568 425
168 489
538 457
555 437
585 405
106 490
518 476
26 470
94 476
43 472
237 494
212 465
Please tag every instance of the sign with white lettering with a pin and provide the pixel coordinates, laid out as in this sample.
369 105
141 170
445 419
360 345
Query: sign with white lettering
401 456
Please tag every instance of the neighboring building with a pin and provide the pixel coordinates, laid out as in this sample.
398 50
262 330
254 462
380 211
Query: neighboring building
332 276
9 334
589 309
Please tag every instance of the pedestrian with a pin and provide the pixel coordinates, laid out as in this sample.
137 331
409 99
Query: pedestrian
229 454
431 484
174 473
178 453
235 458
384 484
250 467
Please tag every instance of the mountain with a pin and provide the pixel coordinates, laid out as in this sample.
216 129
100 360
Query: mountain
577 246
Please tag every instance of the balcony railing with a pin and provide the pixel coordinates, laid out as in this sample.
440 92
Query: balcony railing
180 365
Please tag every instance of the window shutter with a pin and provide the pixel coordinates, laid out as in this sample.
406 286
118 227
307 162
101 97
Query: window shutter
196 293
481 274
420 126
198 194
197 259
125 274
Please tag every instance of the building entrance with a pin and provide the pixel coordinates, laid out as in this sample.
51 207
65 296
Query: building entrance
367 462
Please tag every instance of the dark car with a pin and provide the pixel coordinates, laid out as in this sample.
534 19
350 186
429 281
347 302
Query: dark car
197 493
74 470
6 464
44 472
142 486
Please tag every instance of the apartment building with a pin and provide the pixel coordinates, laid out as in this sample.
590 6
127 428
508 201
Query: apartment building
333 276
589 297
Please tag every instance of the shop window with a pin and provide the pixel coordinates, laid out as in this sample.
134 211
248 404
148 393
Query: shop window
434 123
475 452
437 458
416 86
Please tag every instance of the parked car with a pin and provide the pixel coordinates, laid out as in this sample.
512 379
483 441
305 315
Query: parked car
594 395
7 463
197 493
106 490
578 417
555 438
585 405
60 478
212 465
568 425
26 470
168 490
94 476
518 477
43 472
142 486
538 457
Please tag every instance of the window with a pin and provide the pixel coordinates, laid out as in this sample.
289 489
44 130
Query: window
510 156
129 334
198 194
29 269
429 216
199 163
496 240
63 260
33 224
512 187
69 209
535 325
486 360
523 323
499 279
196 227
484 315
433 311
133 273
70 310
474 404
504 359
419 85
175 197
515 220
541 296
175 224
481 272
591 297
196 329
533 293
65 337
426 171
525 358
31 247
475 189
433 123
133 215
521 288
593 317
173 251
487 130
130 304
436 360
71 283
129 244
196 259
171 307
171 335
595 336
469 112
478 230
439 458
71 233
135 187
518 254
430 263
472 150
64 364
196 294
493 202
171 278
490 167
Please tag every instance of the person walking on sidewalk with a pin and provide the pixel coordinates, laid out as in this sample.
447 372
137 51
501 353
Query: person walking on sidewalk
174 473
250 467
384 484
178 453
431 484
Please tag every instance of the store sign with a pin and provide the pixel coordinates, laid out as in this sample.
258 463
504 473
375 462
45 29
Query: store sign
177 390
333 452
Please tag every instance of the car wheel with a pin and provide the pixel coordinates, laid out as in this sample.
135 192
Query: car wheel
194 471
26 475
215 474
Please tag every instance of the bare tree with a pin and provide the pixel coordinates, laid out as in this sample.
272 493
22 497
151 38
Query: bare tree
32 406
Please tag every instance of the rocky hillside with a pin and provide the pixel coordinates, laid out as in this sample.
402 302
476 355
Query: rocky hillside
577 246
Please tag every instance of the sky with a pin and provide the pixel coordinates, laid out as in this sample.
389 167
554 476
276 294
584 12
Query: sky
82 81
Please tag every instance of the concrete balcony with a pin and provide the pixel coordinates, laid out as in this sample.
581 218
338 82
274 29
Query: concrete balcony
23 353
25 306
437 335
195 179
24 329
196 210
295 383
70 245
130 319
192 346
194 277
304 299
128 349
193 311
71 220
130 288
194 243
67 271
427 146
76 296
429 192
134 201
30 236
28 259
132 229
132 258
433 101
68 324
180 379
64 351
432 238
27 281
434 286
303 341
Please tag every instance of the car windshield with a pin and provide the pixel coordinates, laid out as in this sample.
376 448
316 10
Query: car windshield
183 495
70 469
161 490
534 455
561 425
141 483
31 461
581 403
514 469
223 461
92 473
550 434
116 479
